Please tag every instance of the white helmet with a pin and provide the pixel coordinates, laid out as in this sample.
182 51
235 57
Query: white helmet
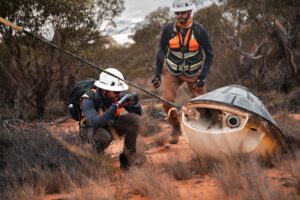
182 5
108 82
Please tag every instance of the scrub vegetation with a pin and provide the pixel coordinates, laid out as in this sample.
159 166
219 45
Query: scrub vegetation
39 160
256 44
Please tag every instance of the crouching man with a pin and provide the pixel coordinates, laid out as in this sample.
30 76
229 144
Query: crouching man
103 117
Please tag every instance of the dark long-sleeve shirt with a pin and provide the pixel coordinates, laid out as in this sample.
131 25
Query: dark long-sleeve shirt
204 43
91 106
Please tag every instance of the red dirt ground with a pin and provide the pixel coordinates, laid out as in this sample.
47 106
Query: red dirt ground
200 187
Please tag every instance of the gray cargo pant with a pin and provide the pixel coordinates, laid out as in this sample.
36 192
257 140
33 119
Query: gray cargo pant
127 125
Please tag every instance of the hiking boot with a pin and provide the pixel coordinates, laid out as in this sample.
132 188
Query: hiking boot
128 159
175 133
124 161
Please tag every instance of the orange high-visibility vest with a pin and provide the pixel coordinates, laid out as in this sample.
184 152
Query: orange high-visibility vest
184 55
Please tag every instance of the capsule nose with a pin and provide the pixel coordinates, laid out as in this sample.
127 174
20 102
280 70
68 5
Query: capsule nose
251 141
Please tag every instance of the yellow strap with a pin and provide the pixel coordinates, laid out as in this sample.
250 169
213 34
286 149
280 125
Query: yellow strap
8 23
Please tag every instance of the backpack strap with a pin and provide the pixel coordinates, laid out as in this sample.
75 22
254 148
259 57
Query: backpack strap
171 31
197 31
88 95
189 35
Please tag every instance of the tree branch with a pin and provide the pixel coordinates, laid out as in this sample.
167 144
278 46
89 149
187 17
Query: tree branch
17 84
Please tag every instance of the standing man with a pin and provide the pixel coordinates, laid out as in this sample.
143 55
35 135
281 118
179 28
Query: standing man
102 118
186 46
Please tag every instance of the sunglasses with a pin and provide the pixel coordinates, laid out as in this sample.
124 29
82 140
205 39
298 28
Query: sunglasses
181 13
117 92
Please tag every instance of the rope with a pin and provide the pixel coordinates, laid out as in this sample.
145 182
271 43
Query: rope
20 29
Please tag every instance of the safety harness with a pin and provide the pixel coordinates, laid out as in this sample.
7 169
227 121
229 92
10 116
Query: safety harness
99 107
184 55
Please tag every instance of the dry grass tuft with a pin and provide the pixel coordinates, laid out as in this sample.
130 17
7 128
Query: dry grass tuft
159 140
257 186
26 193
228 176
203 165
40 163
95 190
276 101
148 182
290 129
53 109
245 179
177 169
296 173
119 189
293 166
150 120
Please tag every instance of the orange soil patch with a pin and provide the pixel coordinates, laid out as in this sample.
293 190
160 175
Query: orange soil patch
295 116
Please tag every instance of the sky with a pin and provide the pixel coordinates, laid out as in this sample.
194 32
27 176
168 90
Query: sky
135 11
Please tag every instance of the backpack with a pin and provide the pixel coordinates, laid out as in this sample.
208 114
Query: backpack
77 91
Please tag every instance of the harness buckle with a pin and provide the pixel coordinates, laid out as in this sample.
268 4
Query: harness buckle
184 49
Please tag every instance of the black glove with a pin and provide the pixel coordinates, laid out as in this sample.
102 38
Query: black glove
199 83
135 99
156 81
125 100
129 99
